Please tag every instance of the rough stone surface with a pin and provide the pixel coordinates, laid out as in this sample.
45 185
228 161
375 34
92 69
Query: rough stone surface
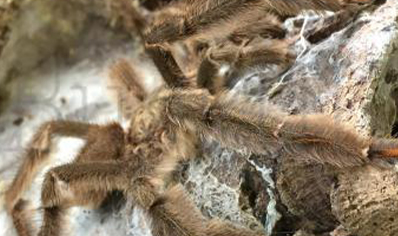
366 201
349 75
302 233
306 193
346 76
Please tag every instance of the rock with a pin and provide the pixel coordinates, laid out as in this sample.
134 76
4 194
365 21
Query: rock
348 76
305 189
366 201
61 75
340 231
302 233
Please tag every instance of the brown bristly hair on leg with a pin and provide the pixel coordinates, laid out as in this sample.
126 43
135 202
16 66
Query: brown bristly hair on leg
170 209
54 221
261 128
21 215
232 120
221 228
166 125
167 66
201 16
324 140
266 27
37 154
196 21
126 83
292 7
125 73
173 213
255 55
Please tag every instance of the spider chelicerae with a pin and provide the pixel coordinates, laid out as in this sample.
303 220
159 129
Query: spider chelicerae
165 125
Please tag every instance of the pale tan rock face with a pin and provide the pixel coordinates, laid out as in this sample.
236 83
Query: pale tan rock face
366 201
306 193
350 75
354 81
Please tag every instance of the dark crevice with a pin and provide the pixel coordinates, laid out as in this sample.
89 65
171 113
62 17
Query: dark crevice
113 203
154 4
394 130
394 96
4 98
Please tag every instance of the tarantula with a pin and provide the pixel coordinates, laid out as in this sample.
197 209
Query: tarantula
165 125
